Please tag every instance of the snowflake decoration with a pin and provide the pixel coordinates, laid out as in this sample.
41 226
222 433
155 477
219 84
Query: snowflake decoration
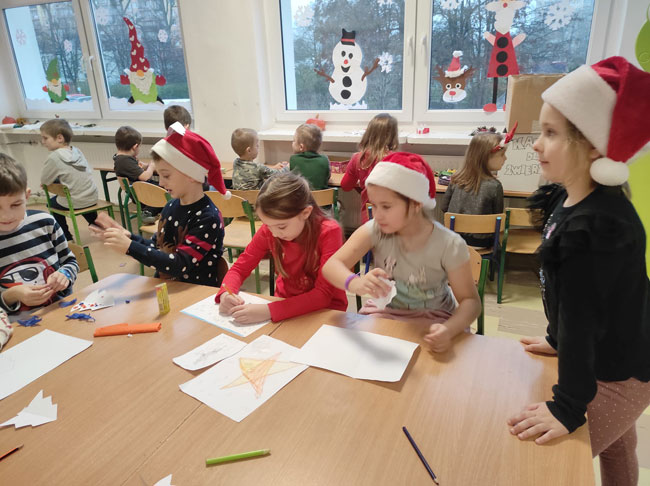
386 62
102 16
162 36
559 15
21 37
450 4
304 16
388 3
67 46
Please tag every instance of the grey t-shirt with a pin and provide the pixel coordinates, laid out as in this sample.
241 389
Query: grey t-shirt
69 166
421 275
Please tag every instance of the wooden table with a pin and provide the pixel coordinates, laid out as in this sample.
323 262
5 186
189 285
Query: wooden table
123 420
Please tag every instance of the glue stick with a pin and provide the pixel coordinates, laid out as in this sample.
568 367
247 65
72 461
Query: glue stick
163 298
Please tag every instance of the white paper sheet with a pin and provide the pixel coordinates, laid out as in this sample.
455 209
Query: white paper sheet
209 353
240 384
166 481
27 361
95 300
359 354
207 310
39 411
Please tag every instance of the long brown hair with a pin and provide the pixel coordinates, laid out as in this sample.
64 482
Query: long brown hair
380 137
284 196
475 169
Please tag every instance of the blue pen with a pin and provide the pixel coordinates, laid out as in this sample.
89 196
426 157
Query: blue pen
417 450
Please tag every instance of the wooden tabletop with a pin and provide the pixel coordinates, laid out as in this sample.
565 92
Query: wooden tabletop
123 420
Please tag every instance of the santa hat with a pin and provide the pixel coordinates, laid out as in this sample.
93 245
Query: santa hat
408 174
347 38
609 103
138 61
454 70
192 155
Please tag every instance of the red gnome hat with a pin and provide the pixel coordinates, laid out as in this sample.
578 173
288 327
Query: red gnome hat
454 70
138 61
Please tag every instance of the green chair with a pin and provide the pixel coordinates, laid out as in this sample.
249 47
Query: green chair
71 212
124 195
84 259
479 274
150 195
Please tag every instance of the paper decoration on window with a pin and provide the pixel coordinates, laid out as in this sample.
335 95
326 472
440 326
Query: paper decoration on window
385 2
162 36
559 15
642 46
102 17
450 4
454 79
348 81
304 16
140 75
57 91
67 46
503 61
386 62
21 37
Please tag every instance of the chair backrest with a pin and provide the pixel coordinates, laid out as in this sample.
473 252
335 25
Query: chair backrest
58 189
229 208
249 195
222 269
475 223
324 197
149 194
521 217
475 261
84 259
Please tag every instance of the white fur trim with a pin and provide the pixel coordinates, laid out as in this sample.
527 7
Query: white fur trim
609 172
457 53
227 195
179 160
407 182
455 74
587 101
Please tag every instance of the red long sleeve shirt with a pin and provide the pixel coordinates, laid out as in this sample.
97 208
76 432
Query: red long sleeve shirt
355 177
301 294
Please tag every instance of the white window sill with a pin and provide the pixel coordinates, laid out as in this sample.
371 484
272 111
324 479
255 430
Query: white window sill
78 131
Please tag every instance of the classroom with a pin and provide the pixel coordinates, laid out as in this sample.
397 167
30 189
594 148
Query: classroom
324 242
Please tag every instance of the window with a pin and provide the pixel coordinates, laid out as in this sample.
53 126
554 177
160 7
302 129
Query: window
98 58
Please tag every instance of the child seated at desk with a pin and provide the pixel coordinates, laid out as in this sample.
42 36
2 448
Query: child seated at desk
300 239
306 160
66 164
189 240
422 256
176 113
246 173
36 265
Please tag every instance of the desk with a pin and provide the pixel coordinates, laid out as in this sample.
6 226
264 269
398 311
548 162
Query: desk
104 173
123 420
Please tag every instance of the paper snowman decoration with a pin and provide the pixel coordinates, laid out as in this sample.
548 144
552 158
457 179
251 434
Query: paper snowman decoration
348 82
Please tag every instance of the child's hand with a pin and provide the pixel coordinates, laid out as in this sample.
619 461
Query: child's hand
251 313
537 344
58 282
537 419
228 301
439 338
370 284
30 295
117 239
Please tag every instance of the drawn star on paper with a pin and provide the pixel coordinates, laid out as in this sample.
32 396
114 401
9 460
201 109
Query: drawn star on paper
255 371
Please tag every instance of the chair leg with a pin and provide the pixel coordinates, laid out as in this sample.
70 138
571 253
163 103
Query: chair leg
258 286
76 229
229 255
142 269
367 261
271 276
502 273
110 212
480 322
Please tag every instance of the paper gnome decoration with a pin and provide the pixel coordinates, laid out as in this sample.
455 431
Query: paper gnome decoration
56 91
454 79
503 61
642 46
140 75
348 81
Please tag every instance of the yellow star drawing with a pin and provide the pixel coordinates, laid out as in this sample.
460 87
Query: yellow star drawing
255 371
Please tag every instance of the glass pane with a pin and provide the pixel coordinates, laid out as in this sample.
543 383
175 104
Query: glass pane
325 69
556 40
48 55
142 53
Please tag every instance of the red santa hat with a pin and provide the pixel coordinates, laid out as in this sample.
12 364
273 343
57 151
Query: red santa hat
454 70
609 103
408 174
138 61
192 155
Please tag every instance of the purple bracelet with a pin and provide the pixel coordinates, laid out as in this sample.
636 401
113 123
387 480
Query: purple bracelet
351 277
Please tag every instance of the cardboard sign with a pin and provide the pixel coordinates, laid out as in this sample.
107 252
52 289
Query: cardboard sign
521 171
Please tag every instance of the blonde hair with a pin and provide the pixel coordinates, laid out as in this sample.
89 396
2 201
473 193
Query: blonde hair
241 139
310 136
380 137
475 169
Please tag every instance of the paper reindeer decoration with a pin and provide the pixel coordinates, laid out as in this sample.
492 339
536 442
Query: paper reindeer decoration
454 79
348 81
56 91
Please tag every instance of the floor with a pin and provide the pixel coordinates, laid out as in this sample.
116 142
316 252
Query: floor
520 314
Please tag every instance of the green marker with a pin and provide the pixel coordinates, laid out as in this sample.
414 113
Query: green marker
236 457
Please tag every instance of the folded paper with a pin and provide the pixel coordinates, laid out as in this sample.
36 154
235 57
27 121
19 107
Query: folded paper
124 328
39 411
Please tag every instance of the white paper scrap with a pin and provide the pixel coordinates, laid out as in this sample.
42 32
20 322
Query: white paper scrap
209 353
359 354
95 300
27 361
382 302
39 411
166 481
208 310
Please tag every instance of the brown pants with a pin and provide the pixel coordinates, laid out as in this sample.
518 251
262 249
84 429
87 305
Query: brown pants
612 418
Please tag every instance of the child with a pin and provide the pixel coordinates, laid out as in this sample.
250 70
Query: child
300 239
248 174
419 254
189 241
36 266
474 189
594 285
67 165
380 139
127 141
176 113
306 160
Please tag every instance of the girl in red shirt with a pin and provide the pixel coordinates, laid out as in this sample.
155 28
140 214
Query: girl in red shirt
300 239
380 139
